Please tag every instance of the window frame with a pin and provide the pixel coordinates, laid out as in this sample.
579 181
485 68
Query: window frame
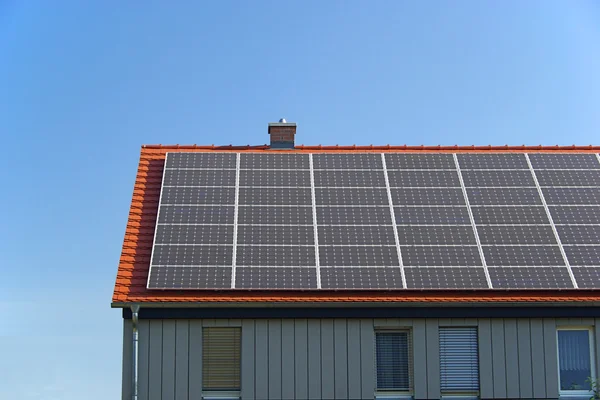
591 344
391 393
473 394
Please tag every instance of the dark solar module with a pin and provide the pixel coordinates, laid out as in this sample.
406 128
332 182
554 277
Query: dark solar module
360 256
347 161
196 215
517 234
575 215
523 256
360 178
503 178
583 255
492 161
419 161
282 178
275 278
564 161
275 196
197 195
200 160
278 234
587 277
192 255
505 196
194 234
568 178
440 256
432 215
356 235
361 278
199 177
446 278
427 235
530 278
354 216
275 215
423 179
426 197
190 278
351 197
274 161
510 215
579 234
276 256
589 195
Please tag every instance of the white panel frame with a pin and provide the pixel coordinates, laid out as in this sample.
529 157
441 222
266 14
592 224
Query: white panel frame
314 214
235 218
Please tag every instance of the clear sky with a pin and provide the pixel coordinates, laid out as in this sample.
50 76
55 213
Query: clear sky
84 83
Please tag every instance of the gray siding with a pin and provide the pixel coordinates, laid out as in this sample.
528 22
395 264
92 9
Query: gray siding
334 358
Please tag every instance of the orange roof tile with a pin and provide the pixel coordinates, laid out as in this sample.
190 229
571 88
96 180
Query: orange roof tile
134 264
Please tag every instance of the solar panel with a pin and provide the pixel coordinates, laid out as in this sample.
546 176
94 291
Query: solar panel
373 221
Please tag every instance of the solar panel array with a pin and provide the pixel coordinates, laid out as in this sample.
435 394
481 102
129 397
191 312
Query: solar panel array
378 221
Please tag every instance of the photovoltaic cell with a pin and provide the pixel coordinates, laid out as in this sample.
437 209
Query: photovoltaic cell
419 161
361 278
503 178
351 197
293 178
425 197
360 256
564 161
360 178
356 235
575 215
200 160
583 255
275 215
517 234
492 161
579 234
194 234
587 277
445 278
196 215
530 278
502 197
192 255
432 215
347 161
275 278
275 196
277 256
589 195
501 256
510 215
279 234
274 161
199 177
568 178
354 216
440 256
197 195
190 278
430 235
423 179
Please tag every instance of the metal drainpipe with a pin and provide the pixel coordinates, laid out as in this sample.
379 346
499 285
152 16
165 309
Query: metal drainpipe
135 309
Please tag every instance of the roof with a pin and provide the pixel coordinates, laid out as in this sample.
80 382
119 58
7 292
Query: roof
134 264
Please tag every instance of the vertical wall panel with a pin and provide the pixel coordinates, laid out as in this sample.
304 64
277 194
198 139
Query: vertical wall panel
486 371
419 359
433 358
144 358
538 359
182 330
274 359
314 359
168 360
354 376
597 345
127 373
498 362
367 358
155 361
551 357
261 359
340 344
512 358
248 370
195 359
301 358
287 359
525 377
327 360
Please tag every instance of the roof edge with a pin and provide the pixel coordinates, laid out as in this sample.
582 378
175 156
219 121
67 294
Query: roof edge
382 148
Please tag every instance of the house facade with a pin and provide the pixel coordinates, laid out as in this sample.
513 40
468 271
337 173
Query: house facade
519 330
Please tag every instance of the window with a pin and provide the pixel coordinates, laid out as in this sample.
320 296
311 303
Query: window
459 361
394 361
221 356
575 364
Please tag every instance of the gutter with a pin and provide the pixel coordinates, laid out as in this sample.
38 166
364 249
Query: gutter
135 309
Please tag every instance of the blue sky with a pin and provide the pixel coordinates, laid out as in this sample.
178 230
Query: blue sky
84 83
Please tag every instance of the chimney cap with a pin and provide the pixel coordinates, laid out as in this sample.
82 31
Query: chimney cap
282 120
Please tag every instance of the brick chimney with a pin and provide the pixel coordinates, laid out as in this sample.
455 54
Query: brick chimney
282 134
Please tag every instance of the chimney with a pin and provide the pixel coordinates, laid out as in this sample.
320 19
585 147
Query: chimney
282 134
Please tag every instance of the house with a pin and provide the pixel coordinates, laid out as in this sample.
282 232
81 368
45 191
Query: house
361 272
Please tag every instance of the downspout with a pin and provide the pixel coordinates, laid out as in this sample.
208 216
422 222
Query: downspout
135 309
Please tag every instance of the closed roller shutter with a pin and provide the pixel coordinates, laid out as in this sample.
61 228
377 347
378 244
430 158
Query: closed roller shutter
221 356
459 360
393 358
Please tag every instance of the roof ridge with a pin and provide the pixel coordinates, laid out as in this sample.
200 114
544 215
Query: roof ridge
355 147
